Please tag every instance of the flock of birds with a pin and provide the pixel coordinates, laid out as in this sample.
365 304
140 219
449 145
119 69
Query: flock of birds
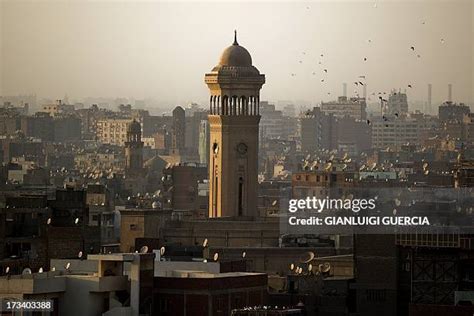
359 83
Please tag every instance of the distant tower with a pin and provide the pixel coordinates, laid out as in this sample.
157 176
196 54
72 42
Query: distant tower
234 117
344 89
450 93
428 110
134 149
179 130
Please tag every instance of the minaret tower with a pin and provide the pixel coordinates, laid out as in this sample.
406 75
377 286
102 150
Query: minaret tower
134 149
234 86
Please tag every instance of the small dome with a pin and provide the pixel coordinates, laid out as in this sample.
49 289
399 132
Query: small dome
235 55
134 127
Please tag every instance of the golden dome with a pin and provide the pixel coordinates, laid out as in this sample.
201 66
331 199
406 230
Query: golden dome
236 56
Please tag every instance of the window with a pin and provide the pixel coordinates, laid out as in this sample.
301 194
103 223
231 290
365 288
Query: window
375 295
163 305
133 227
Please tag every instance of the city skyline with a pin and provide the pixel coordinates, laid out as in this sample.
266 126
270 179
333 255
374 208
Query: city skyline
156 55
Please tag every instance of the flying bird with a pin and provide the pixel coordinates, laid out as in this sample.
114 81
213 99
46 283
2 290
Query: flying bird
325 70
365 58
409 86
412 48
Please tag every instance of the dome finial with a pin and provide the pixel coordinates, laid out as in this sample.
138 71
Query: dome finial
235 38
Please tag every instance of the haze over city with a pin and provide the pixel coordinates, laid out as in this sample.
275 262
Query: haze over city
161 49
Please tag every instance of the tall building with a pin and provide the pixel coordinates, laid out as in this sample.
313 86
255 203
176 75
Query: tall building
397 103
396 133
449 111
204 142
318 130
343 107
234 117
179 130
112 131
134 149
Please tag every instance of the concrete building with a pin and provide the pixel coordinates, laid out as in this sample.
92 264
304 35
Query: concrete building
344 107
179 131
103 290
397 104
449 111
57 109
394 132
204 136
112 131
318 131
234 117
139 223
134 149
271 123
180 189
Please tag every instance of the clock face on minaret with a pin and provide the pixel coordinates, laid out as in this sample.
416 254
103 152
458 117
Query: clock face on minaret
234 117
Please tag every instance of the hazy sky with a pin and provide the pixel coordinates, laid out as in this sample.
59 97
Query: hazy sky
161 49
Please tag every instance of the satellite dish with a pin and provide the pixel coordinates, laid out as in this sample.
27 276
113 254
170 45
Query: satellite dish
307 257
26 271
394 212
162 251
204 243
79 255
292 266
7 270
144 249
205 260
48 221
76 221
310 267
244 254
216 256
398 202
40 270
274 203
325 268
53 269
68 265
